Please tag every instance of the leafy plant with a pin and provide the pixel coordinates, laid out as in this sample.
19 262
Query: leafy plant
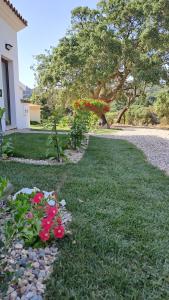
162 105
33 218
54 138
140 115
55 141
65 121
3 185
78 129
7 148
2 110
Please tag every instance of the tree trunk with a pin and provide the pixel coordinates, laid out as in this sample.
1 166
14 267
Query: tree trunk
103 121
121 114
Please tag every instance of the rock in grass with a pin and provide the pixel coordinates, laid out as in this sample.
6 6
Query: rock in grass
28 296
13 295
33 256
35 265
37 297
18 246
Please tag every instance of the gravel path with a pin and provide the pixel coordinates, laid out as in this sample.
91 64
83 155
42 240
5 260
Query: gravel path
153 142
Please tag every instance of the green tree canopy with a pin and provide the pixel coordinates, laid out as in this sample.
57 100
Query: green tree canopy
118 48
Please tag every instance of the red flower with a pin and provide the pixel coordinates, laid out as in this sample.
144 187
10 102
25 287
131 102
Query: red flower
44 235
51 211
46 223
59 220
59 232
37 198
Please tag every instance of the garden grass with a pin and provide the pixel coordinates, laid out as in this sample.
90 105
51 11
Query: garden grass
119 247
106 131
41 127
32 145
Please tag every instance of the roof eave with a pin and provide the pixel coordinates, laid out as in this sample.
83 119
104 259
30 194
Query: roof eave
12 15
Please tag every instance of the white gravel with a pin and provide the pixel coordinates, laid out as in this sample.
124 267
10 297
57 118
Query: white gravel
153 142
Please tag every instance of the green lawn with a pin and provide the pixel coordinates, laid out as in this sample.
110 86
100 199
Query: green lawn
106 131
119 247
41 127
32 145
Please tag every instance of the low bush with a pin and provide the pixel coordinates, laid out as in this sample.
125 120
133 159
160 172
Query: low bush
65 122
111 117
140 115
162 106
3 185
7 148
78 128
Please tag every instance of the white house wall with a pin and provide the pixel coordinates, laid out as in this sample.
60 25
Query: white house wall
9 36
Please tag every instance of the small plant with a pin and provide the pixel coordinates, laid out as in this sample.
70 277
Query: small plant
2 110
3 185
78 129
54 139
34 218
7 148
65 122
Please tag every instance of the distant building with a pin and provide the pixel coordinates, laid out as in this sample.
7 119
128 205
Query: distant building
32 112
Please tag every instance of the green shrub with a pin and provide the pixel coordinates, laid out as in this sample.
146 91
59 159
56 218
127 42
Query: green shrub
162 106
2 110
140 115
7 148
93 121
65 122
111 117
3 185
79 127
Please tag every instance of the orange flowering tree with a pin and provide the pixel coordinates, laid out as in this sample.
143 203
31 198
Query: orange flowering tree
99 106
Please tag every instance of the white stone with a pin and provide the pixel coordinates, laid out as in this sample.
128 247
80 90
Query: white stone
13 296
18 246
63 203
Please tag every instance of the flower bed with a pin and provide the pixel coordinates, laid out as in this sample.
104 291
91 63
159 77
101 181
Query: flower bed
34 221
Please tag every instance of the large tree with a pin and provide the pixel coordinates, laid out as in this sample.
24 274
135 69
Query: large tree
120 48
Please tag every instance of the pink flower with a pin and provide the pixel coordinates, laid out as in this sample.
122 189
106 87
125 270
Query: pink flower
51 211
59 232
46 223
29 215
44 235
37 198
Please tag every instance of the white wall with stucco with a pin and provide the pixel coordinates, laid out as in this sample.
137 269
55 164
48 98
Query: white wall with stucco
9 25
